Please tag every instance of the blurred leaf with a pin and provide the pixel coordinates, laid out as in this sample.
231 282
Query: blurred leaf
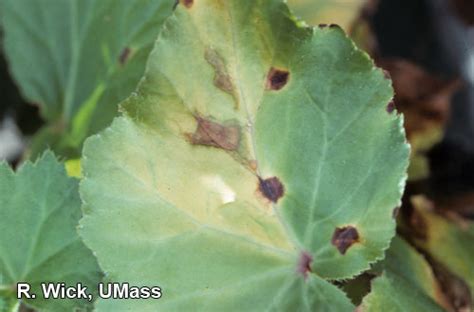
8 303
465 10
40 208
448 241
459 203
390 293
239 176
341 12
425 101
77 59
402 261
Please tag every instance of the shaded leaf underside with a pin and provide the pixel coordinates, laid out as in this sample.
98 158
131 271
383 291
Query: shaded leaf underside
448 242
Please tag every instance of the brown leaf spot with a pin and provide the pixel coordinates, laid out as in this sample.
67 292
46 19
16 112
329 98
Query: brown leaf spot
323 25
391 107
211 133
304 265
271 188
187 3
124 55
277 78
343 238
222 80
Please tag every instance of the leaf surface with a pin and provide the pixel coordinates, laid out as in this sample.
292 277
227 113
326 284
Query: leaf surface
255 161
77 59
40 209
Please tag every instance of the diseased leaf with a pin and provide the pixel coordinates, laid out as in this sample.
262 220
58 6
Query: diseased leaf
40 208
255 160
77 59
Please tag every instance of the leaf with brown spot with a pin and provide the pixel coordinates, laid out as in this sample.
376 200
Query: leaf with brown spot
184 190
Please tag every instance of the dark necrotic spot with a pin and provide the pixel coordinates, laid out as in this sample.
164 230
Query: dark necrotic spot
323 25
343 238
271 188
391 107
304 265
277 78
124 55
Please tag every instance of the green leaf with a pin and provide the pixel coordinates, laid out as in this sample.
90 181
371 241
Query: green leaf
77 59
448 242
253 154
394 294
40 208
403 265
